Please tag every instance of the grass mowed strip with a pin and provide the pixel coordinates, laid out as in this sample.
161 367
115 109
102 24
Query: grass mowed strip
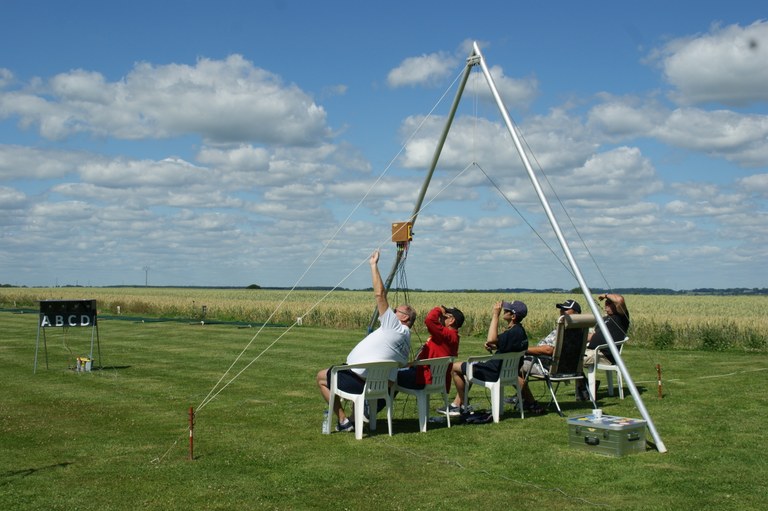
117 438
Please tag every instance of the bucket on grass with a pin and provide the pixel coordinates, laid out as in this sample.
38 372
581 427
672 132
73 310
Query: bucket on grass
83 364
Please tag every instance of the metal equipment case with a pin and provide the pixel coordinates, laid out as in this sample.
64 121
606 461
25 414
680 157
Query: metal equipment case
608 435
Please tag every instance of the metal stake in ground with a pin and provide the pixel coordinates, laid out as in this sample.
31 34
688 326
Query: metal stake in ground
191 433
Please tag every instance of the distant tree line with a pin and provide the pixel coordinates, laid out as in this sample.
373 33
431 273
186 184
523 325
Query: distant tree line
735 291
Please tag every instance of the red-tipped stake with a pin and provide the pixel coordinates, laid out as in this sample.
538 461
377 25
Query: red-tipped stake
191 433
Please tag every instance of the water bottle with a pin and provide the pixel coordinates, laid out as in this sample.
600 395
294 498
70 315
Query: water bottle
326 427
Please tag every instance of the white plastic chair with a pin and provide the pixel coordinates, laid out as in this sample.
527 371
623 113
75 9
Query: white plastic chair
567 362
439 369
510 366
609 370
376 387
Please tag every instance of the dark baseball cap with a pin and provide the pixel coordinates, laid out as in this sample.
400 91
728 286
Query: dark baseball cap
457 315
568 305
517 307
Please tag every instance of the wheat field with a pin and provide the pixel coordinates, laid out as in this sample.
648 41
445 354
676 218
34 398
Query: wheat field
715 323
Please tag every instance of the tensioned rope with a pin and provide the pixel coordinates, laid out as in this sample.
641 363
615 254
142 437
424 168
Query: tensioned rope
553 190
402 287
476 76
522 217
565 210
318 302
218 387
570 220
218 390
212 395
213 392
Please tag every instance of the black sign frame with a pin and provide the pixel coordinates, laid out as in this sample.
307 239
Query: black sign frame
65 314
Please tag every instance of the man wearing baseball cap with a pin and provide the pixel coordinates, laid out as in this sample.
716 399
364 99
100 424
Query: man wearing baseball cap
617 320
545 348
512 338
569 305
443 325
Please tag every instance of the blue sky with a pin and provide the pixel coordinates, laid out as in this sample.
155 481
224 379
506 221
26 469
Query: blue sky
274 143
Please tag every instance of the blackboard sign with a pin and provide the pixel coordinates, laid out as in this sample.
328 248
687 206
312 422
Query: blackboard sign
65 313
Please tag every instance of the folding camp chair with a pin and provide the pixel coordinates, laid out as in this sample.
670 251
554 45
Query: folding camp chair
567 362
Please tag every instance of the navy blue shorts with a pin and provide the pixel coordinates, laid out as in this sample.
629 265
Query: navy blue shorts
406 377
347 380
481 371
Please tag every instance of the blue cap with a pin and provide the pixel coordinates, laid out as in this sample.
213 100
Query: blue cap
517 307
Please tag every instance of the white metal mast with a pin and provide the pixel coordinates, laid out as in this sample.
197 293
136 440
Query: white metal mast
477 58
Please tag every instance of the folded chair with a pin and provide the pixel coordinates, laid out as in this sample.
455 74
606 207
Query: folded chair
567 362
609 369
376 387
510 368
439 369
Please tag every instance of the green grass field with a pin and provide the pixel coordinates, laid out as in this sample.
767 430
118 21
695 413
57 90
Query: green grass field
117 438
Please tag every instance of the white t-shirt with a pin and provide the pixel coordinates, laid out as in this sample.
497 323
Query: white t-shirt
390 342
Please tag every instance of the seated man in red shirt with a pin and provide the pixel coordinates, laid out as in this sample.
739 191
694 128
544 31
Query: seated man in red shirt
443 325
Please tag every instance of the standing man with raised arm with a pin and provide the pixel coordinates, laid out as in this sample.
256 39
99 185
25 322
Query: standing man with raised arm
390 342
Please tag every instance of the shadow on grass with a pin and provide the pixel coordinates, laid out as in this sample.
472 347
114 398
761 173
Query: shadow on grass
7 477
403 426
110 368
603 400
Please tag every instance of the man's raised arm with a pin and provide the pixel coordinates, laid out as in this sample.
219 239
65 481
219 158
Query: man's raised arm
378 285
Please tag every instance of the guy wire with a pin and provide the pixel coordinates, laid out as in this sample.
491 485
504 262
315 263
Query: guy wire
214 392
524 219
326 245
562 206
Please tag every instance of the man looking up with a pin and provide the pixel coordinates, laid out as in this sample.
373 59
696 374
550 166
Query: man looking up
512 338
390 342
545 349
617 320
443 326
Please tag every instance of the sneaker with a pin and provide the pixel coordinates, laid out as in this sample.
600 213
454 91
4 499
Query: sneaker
582 394
346 427
533 408
511 400
453 410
